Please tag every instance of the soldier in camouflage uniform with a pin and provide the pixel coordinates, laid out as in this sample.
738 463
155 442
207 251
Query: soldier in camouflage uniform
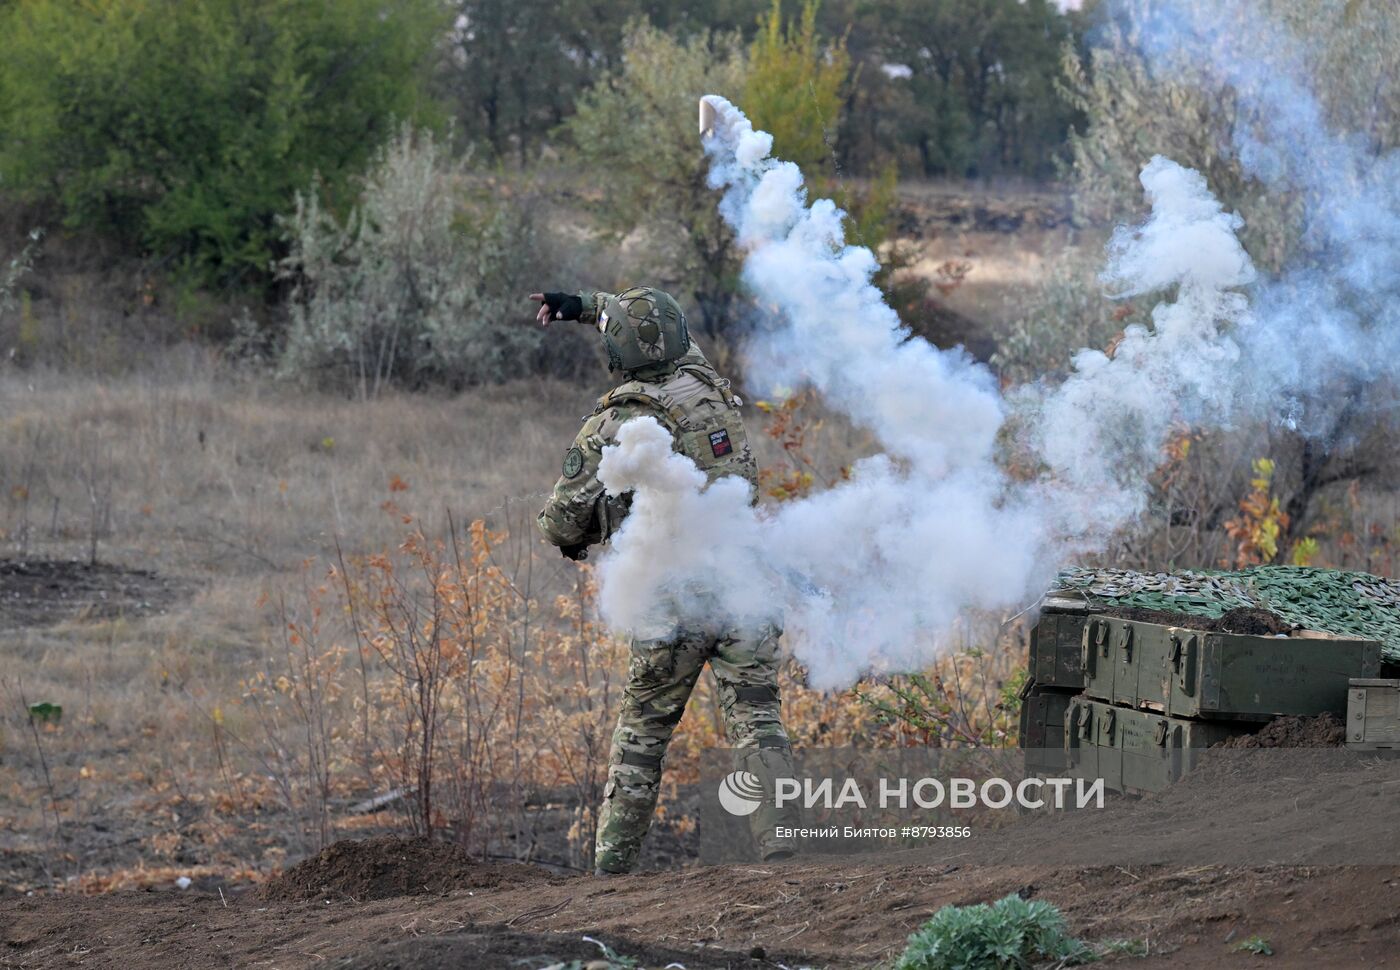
665 376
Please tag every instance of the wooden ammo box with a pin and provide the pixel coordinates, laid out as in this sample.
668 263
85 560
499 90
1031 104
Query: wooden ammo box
1191 673
1136 751
1056 657
1043 727
1373 714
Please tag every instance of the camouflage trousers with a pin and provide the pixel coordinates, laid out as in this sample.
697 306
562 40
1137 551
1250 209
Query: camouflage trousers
660 678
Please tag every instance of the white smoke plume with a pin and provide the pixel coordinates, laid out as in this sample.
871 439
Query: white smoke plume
872 574
1102 431
1330 327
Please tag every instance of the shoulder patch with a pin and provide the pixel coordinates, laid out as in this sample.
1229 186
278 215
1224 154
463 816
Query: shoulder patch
573 463
719 443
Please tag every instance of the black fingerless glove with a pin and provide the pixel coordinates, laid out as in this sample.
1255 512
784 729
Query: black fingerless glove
564 306
577 552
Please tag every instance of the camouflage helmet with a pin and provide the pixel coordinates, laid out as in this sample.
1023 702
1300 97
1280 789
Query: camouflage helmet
643 327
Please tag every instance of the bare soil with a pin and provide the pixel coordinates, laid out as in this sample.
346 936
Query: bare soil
819 915
927 210
39 592
393 902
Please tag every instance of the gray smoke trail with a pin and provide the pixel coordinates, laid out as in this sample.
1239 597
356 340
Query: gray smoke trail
872 574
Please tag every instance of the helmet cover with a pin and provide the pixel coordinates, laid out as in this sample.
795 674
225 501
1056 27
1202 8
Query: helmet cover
642 327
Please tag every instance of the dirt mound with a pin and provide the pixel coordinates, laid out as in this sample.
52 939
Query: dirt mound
37 592
1323 731
1242 619
388 866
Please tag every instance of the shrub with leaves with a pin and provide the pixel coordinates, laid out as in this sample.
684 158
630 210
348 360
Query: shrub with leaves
15 270
184 128
14 340
424 281
464 670
1256 945
634 132
1010 933
795 86
1260 521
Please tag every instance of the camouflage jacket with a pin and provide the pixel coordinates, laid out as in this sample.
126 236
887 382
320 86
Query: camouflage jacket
692 401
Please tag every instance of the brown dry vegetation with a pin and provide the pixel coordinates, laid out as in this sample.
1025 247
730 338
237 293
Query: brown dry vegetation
224 485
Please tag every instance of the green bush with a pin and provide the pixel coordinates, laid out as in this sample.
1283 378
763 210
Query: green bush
795 86
1256 945
16 269
1010 933
185 127
426 281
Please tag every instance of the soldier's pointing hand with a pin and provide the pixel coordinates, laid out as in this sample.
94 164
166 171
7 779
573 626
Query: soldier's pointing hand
557 306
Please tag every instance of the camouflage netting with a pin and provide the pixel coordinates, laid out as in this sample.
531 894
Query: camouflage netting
1346 603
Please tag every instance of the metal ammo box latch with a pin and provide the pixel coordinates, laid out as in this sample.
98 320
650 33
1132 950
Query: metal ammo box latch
1125 643
1184 662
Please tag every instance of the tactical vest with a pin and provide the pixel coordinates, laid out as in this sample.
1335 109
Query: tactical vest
712 437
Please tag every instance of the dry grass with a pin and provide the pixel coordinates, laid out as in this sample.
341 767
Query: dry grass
228 484
211 473
225 483
240 488
997 263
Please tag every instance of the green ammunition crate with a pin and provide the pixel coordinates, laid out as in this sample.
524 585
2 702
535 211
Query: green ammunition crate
1043 727
1373 714
1191 673
1056 657
1136 751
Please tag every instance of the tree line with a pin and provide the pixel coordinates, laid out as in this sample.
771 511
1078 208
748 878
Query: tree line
945 87
184 129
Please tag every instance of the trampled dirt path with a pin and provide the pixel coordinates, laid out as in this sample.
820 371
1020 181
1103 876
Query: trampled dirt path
501 916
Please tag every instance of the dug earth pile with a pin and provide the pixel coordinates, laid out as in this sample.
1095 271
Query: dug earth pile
389 866
39 592
1323 731
1242 619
